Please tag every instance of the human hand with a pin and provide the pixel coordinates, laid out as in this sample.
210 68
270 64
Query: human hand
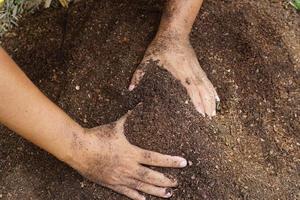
104 156
179 58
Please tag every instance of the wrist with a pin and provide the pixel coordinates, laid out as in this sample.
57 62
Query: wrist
167 42
69 140
171 36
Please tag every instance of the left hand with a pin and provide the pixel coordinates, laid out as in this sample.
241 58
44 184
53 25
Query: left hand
179 58
104 156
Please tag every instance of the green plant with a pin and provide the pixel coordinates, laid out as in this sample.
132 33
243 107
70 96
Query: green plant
9 14
295 4
11 10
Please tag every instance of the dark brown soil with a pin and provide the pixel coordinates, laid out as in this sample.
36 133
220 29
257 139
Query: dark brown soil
249 49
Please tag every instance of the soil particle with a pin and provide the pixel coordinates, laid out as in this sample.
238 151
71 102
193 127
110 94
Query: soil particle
250 51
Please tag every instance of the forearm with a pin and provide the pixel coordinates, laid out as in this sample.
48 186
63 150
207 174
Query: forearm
178 18
25 110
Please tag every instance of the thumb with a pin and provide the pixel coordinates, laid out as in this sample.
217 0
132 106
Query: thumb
136 78
122 120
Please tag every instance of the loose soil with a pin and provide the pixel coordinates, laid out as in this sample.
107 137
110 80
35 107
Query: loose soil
250 51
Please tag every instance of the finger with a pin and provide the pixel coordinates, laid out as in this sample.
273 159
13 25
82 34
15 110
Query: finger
136 78
213 105
207 92
196 98
149 189
208 100
122 120
132 194
160 160
199 105
154 178
216 96
212 99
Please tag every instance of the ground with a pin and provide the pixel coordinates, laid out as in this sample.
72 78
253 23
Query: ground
83 58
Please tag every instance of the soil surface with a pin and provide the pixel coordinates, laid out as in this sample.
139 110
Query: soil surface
251 53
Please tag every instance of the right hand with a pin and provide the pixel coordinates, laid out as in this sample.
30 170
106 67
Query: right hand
104 156
179 58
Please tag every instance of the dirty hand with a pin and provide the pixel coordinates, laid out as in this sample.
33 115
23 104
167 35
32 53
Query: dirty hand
181 61
104 156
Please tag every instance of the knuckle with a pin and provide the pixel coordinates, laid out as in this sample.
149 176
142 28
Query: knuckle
147 156
139 185
126 171
112 181
122 190
143 174
199 81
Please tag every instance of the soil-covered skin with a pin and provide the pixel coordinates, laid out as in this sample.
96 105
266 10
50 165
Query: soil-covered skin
83 59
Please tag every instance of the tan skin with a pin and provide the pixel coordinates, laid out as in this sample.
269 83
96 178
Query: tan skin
103 154
171 47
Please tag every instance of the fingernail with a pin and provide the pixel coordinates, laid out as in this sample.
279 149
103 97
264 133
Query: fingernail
183 162
218 98
214 113
169 193
200 111
131 87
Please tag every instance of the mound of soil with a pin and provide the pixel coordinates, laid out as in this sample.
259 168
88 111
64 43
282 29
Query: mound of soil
250 51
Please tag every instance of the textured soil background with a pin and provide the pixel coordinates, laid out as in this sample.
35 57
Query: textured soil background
250 51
